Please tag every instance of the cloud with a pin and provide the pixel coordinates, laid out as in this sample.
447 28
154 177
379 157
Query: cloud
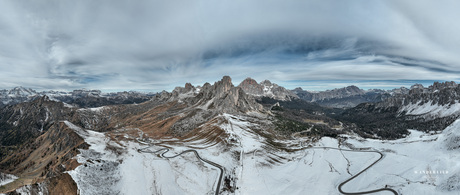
156 45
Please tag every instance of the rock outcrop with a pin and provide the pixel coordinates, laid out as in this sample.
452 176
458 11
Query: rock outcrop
222 96
198 105
266 89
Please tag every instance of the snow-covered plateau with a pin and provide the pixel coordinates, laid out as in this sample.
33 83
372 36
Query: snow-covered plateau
420 163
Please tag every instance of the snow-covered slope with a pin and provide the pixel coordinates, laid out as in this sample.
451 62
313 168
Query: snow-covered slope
418 164
16 95
119 168
431 109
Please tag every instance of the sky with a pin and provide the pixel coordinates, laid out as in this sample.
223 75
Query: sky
151 45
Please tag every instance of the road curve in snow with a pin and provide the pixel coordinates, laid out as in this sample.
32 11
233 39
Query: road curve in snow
219 181
359 173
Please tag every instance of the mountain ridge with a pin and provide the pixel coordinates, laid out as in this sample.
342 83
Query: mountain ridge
423 108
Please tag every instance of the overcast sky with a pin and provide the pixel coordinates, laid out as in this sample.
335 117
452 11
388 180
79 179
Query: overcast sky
154 45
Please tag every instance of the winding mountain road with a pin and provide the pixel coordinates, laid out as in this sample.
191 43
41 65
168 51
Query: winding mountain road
359 173
219 181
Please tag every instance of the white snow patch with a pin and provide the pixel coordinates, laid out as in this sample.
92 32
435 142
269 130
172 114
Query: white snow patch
206 106
40 189
97 109
6 178
434 110
187 95
417 164
68 105
239 130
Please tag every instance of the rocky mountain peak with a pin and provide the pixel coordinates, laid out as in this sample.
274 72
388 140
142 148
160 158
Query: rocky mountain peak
189 87
224 96
399 91
21 91
297 89
266 82
249 80
211 100
439 86
223 86
206 86
417 86
354 90
251 86
266 89
417 89
42 99
164 95
349 90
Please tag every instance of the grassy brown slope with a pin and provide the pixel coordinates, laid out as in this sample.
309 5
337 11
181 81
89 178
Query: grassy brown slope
46 158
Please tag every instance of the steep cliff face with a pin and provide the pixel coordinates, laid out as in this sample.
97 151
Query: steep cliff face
230 99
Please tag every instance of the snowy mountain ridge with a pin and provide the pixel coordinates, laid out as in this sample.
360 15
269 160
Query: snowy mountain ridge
347 97
79 97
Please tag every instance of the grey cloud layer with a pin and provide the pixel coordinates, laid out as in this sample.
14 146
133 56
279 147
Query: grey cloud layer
155 45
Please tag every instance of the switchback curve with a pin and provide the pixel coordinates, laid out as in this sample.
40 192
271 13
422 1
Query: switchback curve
359 173
219 181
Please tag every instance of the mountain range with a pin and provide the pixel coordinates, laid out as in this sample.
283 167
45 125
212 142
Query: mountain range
345 97
246 139
80 97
